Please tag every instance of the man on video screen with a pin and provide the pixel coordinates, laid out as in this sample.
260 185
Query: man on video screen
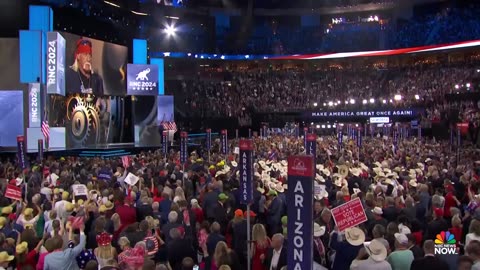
80 77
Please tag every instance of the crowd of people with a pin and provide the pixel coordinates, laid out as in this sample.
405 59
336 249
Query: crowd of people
297 89
149 212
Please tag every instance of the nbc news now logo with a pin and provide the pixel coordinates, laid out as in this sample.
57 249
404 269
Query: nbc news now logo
445 243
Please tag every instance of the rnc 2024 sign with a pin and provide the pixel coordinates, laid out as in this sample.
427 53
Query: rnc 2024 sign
142 80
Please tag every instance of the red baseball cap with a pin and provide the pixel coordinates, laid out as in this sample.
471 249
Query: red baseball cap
438 212
252 214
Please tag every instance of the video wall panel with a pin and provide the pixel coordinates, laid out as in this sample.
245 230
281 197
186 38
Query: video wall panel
11 117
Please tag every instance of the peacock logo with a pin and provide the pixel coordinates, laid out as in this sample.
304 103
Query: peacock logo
445 243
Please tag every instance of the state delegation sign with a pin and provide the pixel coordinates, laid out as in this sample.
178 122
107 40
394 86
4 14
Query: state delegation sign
349 214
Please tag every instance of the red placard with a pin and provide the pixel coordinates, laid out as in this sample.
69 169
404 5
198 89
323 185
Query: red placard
13 192
246 145
349 214
300 166
311 137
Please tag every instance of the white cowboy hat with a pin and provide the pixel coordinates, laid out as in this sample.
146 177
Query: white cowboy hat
377 210
257 174
387 171
388 181
380 174
271 186
268 162
261 163
354 236
421 166
319 178
326 172
376 250
418 171
384 164
284 163
377 170
226 168
377 164
319 167
234 164
363 166
428 160
318 230
319 197
285 186
18 181
355 171
413 183
279 188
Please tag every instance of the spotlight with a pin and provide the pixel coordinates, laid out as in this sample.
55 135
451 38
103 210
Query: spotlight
346 102
391 101
334 126
352 101
318 126
397 97
356 125
324 104
372 100
170 30
323 126
384 101
468 85
315 104
330 103
364 101
311 123
329 126
457 86
417 97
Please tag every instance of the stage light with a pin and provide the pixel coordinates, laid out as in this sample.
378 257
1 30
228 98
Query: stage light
364 101
457 86
330 103
468 85
346 102
315 104
356 125
247 56
324 104
334 126
352 101
391 100
372 100
397 97
222 57
170 30
318 126
311 123
323 126
417 97
189 54
384 101
329 126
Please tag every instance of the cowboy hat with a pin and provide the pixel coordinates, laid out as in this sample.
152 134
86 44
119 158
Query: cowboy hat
18 181
268 162
388 181
363 166
377 210
413 183
355 171
257 174
428 160
326 172
342 170
354 236
339 182
319 197
279 188
376 250
319 167
318 230
387 171
284 163
377 164
421 166
319 178
234 164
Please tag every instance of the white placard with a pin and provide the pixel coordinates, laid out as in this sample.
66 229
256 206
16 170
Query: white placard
236 150
379 120
319 189
131 179
80 190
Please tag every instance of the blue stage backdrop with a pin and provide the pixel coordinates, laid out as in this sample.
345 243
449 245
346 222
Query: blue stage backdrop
11 117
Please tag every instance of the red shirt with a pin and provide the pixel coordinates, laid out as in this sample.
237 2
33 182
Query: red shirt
127 214
418 237
198 215
457 233
449 202
29 261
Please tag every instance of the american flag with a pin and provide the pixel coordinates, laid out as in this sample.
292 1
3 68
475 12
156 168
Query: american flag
169 125
46 130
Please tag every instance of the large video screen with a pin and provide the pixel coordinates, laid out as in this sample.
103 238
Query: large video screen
92 121
94 67
149 113
11 117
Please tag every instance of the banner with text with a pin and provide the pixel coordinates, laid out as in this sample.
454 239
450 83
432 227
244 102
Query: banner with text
56 45
349 214
35 109
224 141
246 171
344 115
13 192
311 147
142 80
183 147
21 156
300 225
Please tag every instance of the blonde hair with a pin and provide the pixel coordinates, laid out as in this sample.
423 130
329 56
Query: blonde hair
259 235
116 221
221 253
456 221
474 227
224 267
105 252
180 193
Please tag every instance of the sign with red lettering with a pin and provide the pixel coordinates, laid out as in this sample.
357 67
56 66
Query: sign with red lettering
13 192
349 214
